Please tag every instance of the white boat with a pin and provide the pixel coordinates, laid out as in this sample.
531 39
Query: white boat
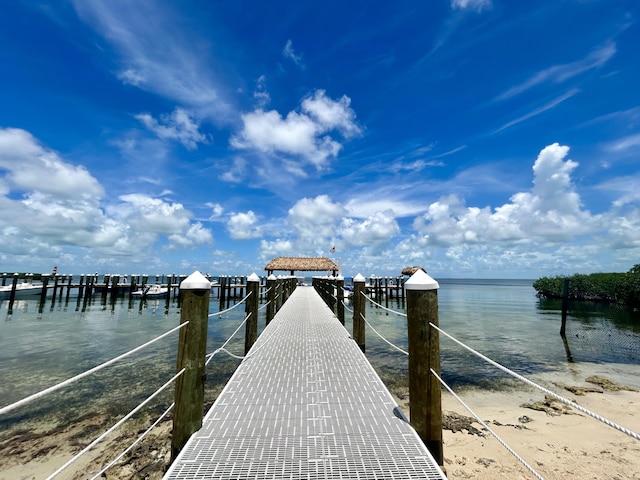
151 291
23 289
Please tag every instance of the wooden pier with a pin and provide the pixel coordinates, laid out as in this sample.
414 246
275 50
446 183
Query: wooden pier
305 404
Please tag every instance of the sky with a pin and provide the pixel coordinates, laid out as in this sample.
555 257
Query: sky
474 138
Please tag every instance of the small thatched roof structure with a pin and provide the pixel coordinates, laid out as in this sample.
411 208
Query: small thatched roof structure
301 264
411 270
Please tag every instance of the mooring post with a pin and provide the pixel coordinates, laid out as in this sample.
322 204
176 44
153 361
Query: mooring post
565 306
192 348
358 310
253 300
340 292
425 402
12 295
279 293
271 297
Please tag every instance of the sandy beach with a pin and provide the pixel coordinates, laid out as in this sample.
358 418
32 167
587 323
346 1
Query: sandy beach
557 443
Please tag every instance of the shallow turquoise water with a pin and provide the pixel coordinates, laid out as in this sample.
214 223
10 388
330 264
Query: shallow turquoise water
500 318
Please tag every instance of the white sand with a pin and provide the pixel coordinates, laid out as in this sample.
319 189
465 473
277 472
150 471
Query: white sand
566 446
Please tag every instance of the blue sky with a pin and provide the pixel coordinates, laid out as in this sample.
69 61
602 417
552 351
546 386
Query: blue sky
475 138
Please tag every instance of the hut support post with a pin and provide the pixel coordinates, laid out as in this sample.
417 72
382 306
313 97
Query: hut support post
425 403
358 311
192 348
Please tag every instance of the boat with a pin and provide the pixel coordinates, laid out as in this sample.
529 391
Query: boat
151 291
23 289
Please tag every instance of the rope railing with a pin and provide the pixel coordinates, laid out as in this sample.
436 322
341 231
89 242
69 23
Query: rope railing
347 308
115 426
97 368
231 308
137 440
539 387
401 314
222 348
484 424
384 339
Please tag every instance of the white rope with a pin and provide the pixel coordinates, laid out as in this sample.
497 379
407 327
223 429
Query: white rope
130 447
376 332
222 349
231 308
118 423
42 393
265 305
384 308
502 442
545 390
347 308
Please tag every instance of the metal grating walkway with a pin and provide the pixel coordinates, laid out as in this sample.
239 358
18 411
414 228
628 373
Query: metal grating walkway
305 404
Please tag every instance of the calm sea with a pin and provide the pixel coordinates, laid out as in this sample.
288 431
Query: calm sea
503 319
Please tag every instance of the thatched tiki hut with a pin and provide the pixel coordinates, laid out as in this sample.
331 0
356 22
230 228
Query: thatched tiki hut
301 264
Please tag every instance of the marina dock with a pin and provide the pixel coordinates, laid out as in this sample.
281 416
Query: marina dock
305 404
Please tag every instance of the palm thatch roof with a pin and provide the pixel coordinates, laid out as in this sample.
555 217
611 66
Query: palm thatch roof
411 270
301 264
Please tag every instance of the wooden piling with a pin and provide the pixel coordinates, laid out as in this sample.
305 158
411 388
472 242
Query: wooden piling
565 306
12 295
359 311
271 297
251 327
192 348
425 403
340 292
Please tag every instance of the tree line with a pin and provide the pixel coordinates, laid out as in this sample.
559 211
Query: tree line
623 288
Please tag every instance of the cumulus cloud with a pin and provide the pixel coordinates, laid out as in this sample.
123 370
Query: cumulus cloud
374 232
242 226
316 217
550 211
26 163
179 126
302 136
68 209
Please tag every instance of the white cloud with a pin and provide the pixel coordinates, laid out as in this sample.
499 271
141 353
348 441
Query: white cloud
195 234
552 104
560 73
27 164
290 53
316 218
624 144
155 53
373 232
301 136
242 226
179 125
477 5
551 211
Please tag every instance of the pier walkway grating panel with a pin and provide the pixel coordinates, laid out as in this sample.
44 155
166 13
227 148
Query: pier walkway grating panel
305 404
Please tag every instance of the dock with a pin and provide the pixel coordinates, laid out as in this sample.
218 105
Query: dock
305 403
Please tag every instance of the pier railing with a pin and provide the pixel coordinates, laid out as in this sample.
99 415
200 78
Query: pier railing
425 377
189 378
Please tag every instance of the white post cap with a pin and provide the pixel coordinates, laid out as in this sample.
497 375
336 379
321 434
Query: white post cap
358 278
253 277
421 281
271 277
195 281
339 277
